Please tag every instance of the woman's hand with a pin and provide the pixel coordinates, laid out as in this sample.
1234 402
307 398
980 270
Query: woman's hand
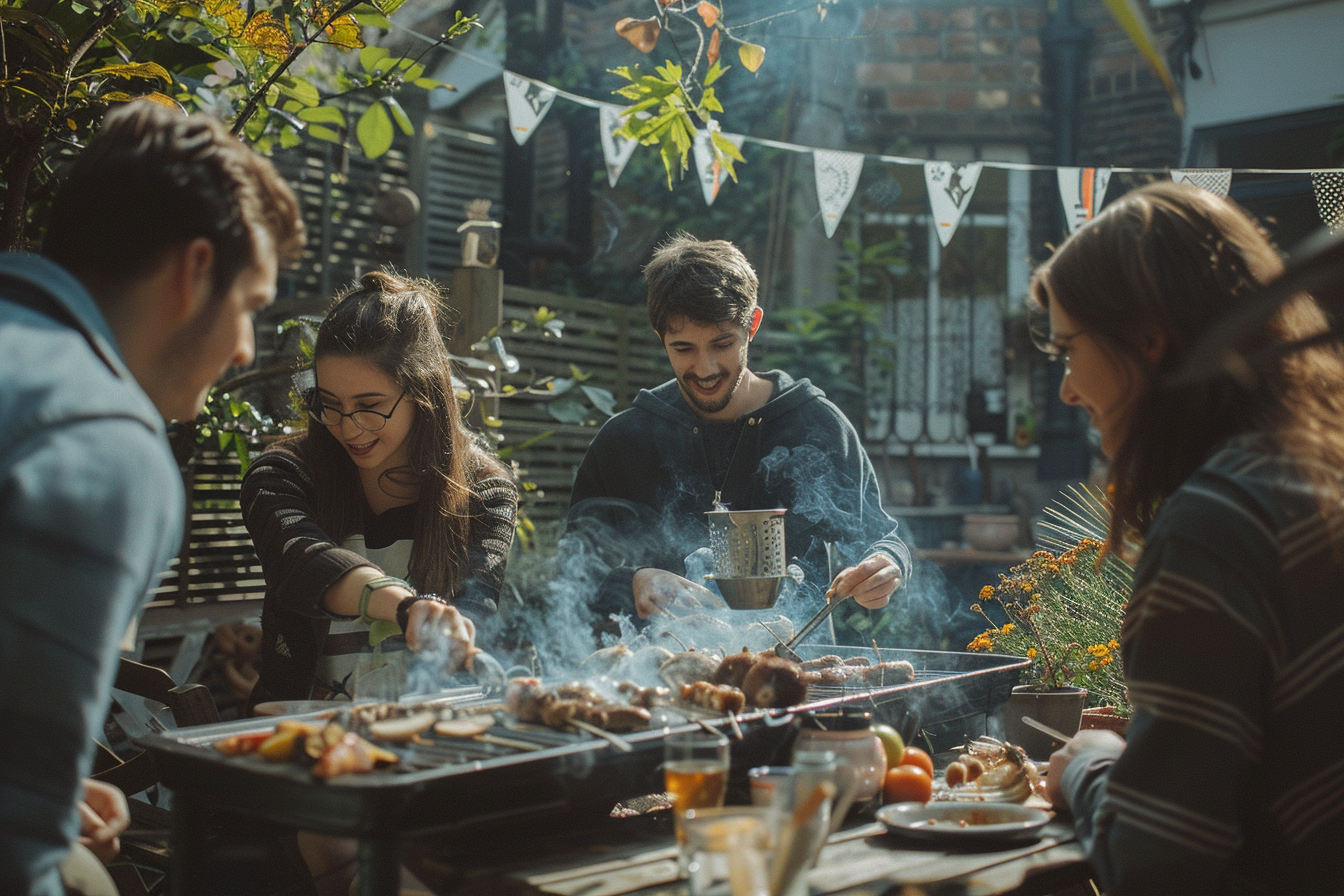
657 589
433 625
1088 740
103 817
871 583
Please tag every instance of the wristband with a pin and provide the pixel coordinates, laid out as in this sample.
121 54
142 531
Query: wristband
371 586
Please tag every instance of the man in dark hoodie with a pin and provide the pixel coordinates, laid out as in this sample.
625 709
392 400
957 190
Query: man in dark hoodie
719 431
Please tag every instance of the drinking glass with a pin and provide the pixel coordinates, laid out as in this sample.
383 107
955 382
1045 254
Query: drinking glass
695 769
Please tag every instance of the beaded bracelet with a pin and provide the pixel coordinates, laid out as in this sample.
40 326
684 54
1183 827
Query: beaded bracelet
404 608
373 585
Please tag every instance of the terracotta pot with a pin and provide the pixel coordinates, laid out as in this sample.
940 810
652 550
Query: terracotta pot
1060 708
1104 717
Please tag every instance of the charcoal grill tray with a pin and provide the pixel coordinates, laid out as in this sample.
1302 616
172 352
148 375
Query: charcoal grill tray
452 784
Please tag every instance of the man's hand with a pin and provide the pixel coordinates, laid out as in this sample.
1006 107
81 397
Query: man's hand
1087 740
440 627
657 589
103 816
870 583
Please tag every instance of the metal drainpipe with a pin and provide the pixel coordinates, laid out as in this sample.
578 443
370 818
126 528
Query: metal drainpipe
1064 450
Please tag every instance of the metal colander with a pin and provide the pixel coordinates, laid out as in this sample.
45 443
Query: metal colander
747 543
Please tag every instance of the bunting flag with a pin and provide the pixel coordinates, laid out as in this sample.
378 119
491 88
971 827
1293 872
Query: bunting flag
1082 191
1214 180
951 185
528 102
615 150
1329 189
837 175
707 164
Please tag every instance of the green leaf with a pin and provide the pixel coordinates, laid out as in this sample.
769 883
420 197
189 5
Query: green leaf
560 386
134 70
602 399
44 26
374 131
370 57
390 6
715 72
324 133
568 410
323 115
431 84
300 89
399 115
373 19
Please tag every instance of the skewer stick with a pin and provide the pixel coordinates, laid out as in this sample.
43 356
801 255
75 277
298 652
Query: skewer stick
732 723
616 741
507 742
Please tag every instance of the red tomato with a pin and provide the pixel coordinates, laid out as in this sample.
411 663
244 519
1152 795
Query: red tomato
918 758
907 784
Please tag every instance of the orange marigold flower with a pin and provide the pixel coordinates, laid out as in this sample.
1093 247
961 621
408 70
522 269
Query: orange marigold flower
1031 653
987 592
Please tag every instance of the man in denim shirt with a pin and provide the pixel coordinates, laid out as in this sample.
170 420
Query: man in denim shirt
162 244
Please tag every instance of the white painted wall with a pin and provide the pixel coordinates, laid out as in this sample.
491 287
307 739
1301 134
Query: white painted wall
1263 58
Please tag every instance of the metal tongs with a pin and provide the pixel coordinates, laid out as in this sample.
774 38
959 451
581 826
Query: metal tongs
786 650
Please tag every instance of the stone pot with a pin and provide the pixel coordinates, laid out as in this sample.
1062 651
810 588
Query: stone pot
1060 708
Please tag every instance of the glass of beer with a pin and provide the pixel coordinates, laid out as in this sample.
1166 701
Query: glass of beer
695 770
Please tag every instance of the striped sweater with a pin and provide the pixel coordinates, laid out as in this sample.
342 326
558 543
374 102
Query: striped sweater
301 562
1232 780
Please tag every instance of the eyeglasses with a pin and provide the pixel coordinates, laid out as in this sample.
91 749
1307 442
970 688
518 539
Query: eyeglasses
366 419
1057 347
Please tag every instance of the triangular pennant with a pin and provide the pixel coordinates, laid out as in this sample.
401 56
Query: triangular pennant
615 150
837 175
951 185
707 165
1213 180
1082 191
1329 189
527 102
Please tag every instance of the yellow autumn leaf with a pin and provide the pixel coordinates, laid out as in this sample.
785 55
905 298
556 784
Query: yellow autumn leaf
269 35
345 33
752 55
708 12
230 11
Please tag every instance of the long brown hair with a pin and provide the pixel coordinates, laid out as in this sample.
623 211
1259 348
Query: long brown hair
1178 259
392 323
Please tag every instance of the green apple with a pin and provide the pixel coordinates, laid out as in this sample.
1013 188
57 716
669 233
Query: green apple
892 743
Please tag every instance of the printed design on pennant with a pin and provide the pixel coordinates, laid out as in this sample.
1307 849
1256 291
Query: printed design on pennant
707 164
837 175
951 186
527 103
616 150
1082 190
1212 180
1329 189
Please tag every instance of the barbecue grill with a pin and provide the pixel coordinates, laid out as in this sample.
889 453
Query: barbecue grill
466 786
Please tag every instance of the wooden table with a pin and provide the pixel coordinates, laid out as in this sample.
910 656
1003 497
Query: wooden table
861 861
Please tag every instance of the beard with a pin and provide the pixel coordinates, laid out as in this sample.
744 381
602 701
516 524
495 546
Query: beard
713 405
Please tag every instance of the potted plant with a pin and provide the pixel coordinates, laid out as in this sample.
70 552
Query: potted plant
1063 612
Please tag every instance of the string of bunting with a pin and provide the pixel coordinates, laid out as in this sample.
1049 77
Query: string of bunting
951 185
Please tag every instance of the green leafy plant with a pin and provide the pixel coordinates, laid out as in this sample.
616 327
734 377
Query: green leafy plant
66 62
1063 612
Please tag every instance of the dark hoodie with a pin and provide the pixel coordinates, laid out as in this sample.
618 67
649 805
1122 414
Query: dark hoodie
641 493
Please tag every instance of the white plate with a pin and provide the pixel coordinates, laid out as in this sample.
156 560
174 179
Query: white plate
963 821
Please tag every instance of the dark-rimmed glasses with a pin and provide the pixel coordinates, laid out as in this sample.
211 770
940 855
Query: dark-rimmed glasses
1055 348
366 419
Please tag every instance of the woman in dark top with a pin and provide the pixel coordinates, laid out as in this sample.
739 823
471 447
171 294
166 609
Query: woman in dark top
1233 638
386 526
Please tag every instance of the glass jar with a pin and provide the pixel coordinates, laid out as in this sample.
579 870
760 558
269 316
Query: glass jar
848 733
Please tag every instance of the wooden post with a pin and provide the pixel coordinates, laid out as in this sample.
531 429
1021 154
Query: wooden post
477 294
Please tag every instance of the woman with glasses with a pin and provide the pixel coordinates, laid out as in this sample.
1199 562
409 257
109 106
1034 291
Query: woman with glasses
1232 484
384 530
